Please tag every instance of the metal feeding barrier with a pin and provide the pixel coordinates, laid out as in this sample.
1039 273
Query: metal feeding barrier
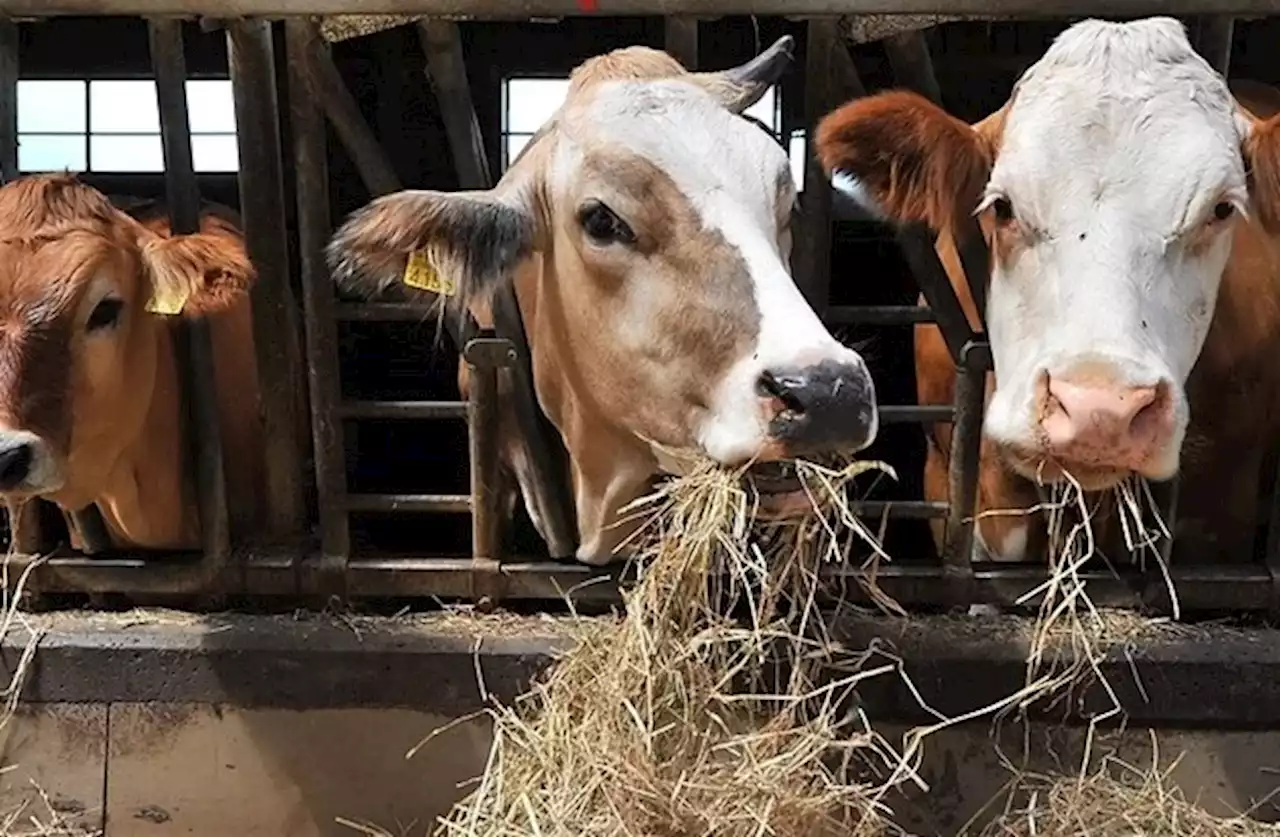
298 359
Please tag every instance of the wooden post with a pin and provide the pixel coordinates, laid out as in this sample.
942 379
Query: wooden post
275 312
812 250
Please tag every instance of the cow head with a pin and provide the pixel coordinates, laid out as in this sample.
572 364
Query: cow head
647 228
79 349
1108 188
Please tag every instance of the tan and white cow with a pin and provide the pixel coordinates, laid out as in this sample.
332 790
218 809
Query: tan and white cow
1132 209
89 389
647 229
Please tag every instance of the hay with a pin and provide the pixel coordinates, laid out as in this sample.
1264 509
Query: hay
1117 800
679 720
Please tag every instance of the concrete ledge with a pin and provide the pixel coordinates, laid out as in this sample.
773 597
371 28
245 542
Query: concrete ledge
1191 676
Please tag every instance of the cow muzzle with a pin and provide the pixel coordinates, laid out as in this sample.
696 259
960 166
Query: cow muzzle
1100 429
25 463
827 408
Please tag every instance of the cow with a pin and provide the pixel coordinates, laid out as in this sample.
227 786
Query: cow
1131 206
90 402
647 231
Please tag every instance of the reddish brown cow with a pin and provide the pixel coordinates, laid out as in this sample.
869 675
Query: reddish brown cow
89 388
1132 209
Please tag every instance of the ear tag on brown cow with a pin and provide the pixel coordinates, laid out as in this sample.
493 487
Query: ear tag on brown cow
421 274
168 301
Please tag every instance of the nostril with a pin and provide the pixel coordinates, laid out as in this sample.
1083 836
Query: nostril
15 465
785 389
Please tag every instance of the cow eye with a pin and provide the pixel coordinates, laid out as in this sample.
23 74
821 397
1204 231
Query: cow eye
1003 210
1223 210
105 315
599 222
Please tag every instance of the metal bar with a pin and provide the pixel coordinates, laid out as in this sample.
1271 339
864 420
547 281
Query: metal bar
447 70
918 249
407 503
92 529
422 410
680 40
879 315
311 175
904 509
276 330
485 357
962 473
195 348
506 10
8 99
812 251
344 114
908 55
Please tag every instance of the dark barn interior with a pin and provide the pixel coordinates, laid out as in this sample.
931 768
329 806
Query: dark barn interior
975 63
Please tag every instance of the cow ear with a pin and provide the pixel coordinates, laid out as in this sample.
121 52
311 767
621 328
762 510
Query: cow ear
198 274
1262 161
905 159
457 245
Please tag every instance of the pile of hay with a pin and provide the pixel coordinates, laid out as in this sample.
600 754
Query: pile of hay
1117 800
680 720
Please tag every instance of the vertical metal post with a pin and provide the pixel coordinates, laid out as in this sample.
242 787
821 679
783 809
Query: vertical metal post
275 317
1213 38
311 176
485 356
813 243
192 342
908 54
8 99
680 40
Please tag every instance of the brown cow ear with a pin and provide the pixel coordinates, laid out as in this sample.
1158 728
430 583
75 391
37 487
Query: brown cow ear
196 274
1261 149
916 162
457 245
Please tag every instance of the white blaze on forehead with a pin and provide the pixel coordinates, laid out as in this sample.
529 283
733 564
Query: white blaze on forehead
738 181
1117 144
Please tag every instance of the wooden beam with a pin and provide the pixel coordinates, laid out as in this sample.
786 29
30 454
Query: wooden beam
908 54
447 69
526 9
344 114
812 248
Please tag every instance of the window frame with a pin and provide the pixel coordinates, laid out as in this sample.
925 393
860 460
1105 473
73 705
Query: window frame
88 135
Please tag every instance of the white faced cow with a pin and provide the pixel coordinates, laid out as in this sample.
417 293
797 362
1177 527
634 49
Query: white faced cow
647 231
1131 207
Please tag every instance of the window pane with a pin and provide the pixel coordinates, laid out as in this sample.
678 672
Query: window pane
53 106
123 153
215 152
211 107
765 110
123 107
798 152
516 142
44 152
531 101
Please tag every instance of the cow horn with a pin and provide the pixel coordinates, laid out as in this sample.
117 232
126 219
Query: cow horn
741 87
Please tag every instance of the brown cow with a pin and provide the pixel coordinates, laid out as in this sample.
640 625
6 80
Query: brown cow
89 390
1132 208
647 231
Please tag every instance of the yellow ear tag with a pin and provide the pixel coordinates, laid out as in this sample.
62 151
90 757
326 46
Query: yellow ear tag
421 274
168 301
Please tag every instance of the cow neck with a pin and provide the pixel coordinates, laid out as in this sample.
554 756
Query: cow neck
147 499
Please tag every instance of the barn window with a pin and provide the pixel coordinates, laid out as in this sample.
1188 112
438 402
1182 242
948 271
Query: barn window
102 125
528 102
